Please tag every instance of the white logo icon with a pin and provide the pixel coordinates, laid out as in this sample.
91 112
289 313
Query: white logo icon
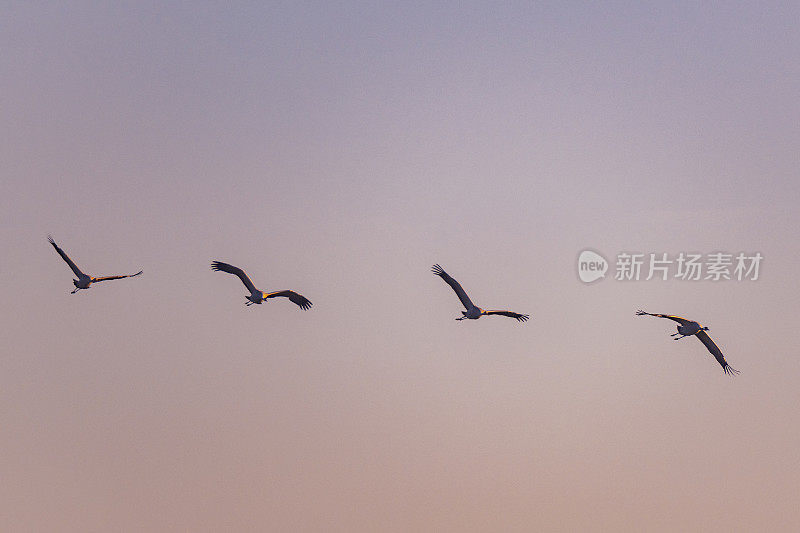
591 266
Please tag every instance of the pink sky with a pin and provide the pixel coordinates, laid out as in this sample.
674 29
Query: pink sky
341 151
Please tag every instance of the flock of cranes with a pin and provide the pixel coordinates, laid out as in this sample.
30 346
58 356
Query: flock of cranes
686 328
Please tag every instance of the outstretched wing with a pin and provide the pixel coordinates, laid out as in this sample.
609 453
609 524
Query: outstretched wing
106 278
298 299
678 319
66 258
230 269
716 352
512 314
439 271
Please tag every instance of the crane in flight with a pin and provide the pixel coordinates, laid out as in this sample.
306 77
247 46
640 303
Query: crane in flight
256 296
687 328
472 312
84 280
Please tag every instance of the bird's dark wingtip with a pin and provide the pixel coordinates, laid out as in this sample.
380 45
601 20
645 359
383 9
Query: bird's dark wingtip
731 371
438 270
640 313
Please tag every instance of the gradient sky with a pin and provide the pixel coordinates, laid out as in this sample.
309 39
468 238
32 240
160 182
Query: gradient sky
340 149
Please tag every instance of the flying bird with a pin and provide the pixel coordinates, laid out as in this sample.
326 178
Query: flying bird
472 312
256 296
687 328
84 280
